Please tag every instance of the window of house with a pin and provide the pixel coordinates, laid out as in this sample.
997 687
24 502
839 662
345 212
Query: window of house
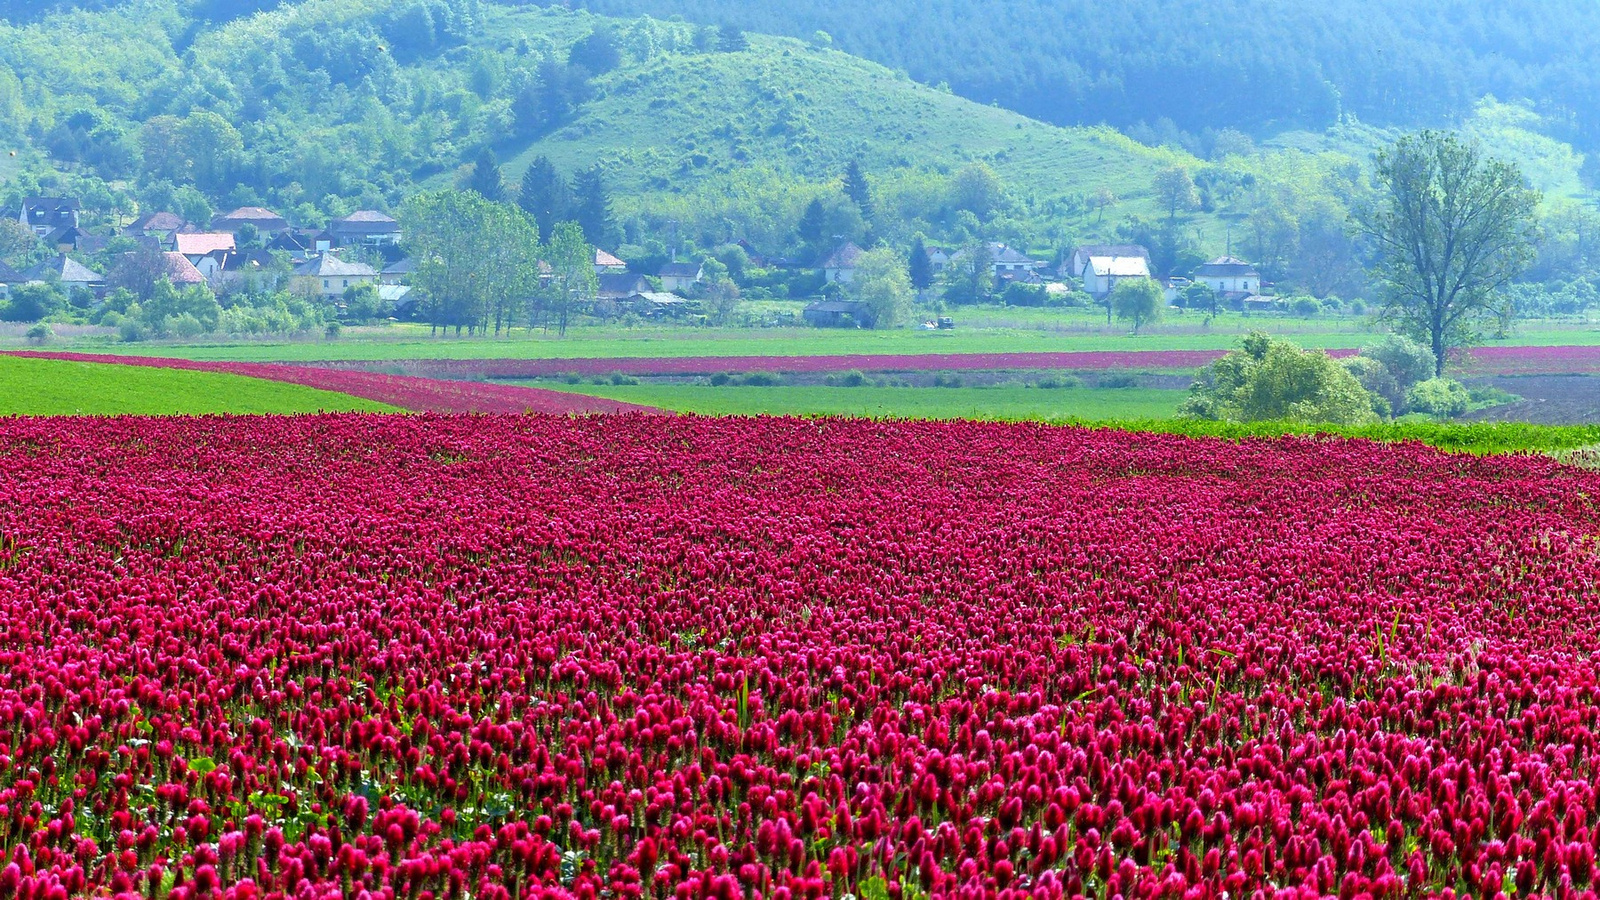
326 283
345 283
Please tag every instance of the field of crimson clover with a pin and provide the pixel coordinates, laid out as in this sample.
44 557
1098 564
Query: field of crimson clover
437 658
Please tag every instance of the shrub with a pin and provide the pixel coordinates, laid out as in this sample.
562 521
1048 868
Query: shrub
760 379
1442 398
947 379
1305 307
32 302
1116 380
40 333
1268 379
852 378
1408 361
1377 379
1055 382
1018 294
619 379
721 378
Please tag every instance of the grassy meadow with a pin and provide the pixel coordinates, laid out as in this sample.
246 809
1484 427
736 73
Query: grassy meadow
998 402
978 330
49 387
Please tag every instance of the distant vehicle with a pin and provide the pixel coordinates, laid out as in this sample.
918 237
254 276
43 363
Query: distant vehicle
945 322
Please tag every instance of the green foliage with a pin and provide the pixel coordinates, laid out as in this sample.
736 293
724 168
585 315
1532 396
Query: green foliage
1268 379
1181 69
1407 361
544 195
1441 398
1304 306
718 292
1451 228
919 267
475 260
573 281
969 276
883 284
362 304
1137 301
485 179
1388 397
1019 294
32 302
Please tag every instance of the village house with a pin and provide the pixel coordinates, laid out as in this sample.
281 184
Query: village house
207 251
44 215
939 257
66 272
1012 265
660 304
181 272
1102 273
620 286
364 228
397 272
839 267
256 269
328 276
159 225
1229 277
71 238
266 221
834 313
605 262
680 276
297 244
1079 261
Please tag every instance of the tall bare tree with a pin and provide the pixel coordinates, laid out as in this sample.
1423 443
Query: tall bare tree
1451 227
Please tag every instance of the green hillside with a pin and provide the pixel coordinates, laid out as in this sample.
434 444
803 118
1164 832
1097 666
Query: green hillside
704 137
731 132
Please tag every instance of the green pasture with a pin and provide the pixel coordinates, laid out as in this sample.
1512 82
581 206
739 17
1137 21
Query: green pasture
1577 443
999 402
49 387
978 330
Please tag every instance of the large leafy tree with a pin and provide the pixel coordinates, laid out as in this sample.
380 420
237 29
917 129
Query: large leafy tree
572 279
1137 301
475 260
883 284
1450 227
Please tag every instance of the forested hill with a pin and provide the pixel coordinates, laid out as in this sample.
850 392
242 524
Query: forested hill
1257 65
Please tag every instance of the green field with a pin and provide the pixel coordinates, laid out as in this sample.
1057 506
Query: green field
1029 332
1574 443
1007 402
49 387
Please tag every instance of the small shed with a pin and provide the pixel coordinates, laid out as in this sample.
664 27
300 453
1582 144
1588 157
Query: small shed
835 313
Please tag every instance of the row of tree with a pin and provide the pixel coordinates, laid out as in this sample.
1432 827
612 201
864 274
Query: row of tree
481 268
